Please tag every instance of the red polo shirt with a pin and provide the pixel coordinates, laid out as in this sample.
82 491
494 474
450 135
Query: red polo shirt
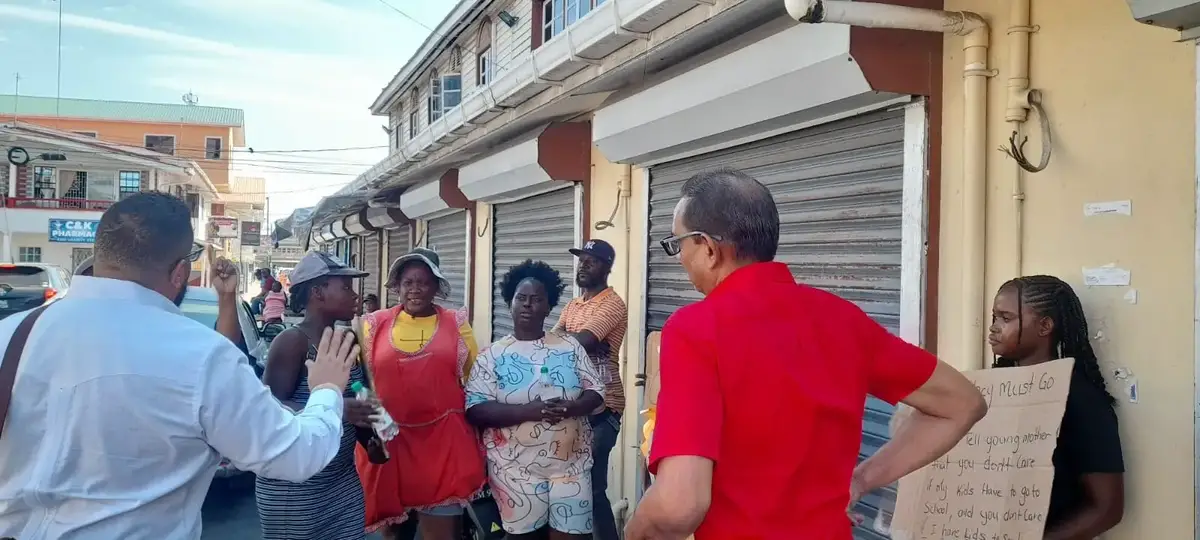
768 379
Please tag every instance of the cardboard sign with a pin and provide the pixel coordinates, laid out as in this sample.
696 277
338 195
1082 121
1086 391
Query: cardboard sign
995 484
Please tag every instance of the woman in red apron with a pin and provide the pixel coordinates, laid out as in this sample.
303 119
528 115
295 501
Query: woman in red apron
418 355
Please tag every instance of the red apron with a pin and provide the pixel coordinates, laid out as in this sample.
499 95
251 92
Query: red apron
436 458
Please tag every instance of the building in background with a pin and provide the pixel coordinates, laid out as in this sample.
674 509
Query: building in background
206 135
65 181
246 203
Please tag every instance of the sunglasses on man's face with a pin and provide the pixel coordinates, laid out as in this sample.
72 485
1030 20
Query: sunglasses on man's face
192 256
672 245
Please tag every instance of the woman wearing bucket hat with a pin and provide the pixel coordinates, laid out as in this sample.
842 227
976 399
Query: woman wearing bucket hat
419 355
329 506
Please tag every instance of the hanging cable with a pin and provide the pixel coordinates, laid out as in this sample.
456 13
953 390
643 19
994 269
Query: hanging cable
1016 150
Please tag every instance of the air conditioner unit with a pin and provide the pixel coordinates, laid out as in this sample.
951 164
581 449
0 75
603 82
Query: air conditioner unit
1182 15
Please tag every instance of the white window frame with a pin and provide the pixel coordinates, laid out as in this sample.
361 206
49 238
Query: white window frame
220 148
29 254
572 11
450 98
433 100
174 142
483 67
120 192
53 183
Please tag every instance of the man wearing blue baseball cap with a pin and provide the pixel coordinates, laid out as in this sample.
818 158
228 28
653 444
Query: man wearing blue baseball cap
597 319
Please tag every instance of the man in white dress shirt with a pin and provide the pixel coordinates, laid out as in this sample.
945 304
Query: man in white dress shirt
122 405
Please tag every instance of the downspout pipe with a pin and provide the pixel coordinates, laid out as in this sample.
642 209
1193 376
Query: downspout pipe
1016 113
974 29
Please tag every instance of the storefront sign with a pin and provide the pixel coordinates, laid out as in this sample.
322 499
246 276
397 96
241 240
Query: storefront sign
222 227
73 231
251 233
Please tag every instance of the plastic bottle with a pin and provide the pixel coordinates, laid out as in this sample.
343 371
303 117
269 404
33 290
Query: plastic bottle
384 426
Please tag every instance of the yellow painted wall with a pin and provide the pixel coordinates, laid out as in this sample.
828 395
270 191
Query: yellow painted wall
1121 98
481 305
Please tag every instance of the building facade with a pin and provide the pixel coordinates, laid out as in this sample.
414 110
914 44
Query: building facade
522 128
206 135
65 181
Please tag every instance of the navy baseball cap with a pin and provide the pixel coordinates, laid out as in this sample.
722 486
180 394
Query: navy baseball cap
315 265
597 248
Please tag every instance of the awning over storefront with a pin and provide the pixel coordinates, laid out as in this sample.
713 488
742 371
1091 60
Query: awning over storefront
434 198
338 228
801 74
540 162
386 217
357 223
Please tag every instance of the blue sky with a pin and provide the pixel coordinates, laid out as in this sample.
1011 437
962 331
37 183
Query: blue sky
305 71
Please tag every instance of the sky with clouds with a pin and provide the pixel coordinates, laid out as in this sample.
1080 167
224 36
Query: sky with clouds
304 71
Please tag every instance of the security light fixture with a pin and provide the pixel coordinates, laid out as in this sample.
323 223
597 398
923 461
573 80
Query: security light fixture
507 18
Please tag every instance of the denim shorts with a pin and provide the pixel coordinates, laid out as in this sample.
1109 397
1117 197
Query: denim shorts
445 510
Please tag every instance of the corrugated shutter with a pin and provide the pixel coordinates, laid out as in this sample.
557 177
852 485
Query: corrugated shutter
448 237
838 189
370 263
398 244
539 228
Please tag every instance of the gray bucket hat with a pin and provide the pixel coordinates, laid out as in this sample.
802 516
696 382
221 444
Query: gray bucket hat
315 265
429 258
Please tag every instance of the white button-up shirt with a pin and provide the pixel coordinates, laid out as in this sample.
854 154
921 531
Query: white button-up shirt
121 411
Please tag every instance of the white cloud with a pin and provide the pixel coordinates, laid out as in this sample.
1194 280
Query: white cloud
291 99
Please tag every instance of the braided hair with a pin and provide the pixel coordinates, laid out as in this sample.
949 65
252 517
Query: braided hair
1051 297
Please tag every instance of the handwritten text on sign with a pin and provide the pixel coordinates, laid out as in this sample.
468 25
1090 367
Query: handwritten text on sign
995 484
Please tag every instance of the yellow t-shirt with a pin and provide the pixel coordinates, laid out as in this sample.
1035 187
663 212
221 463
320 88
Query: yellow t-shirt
410 333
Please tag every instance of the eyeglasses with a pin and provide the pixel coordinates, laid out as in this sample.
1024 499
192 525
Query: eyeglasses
191 257
674 244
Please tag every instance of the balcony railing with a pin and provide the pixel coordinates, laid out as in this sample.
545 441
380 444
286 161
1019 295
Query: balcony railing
57 204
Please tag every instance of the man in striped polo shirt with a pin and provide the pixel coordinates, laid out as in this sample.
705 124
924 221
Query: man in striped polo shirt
597 319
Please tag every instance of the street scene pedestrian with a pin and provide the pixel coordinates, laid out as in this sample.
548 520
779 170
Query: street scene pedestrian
1037 319
419 355
329 505
597 320
760 348
533 393
110 435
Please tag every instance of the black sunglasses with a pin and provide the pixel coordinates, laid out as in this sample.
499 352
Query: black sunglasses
192 256
672 245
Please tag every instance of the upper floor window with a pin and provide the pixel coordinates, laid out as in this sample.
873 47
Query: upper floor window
434 102
483 56
128 183
414 118
559 14
212 148
161 143
44 185
445 93
79 186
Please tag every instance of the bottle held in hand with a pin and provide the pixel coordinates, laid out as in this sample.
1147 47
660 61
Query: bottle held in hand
383 426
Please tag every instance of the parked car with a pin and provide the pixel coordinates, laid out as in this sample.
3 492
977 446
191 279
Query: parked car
24 286
200 304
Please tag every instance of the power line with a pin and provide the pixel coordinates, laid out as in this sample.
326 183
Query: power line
410 17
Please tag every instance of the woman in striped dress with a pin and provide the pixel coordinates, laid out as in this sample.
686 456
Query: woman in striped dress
328 506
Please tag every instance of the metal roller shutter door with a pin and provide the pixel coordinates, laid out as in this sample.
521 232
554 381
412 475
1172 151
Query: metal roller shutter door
369 262
539 228
838 188
398 241
448 237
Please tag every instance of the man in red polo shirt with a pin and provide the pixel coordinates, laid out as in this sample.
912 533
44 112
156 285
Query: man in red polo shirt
763 385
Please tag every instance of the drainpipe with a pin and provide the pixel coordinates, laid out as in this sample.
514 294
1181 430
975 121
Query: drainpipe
1016 113
974 29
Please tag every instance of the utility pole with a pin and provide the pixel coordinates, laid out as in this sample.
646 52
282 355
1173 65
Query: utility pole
270 236
17 97
58 90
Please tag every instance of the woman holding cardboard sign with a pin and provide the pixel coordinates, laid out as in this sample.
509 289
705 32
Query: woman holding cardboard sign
1037 319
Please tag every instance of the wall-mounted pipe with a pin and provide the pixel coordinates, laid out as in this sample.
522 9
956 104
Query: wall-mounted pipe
974 29
1016 112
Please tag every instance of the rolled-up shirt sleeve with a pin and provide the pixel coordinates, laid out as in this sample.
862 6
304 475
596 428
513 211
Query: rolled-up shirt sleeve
243 422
